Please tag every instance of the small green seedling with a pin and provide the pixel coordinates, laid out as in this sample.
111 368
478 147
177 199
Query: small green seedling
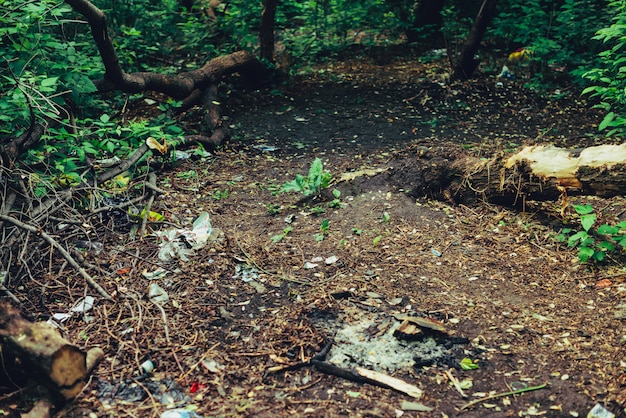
279 237
318 210
220 195
312 184
336 203
274 208
468 364
324 231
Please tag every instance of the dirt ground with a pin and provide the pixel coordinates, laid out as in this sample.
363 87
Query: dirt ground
248 311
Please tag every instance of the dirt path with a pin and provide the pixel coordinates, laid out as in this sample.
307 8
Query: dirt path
269 294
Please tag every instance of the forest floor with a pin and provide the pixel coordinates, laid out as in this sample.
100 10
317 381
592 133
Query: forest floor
247 312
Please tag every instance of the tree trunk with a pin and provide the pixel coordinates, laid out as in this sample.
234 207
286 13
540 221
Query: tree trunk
467 64
266 32
37 351
540 172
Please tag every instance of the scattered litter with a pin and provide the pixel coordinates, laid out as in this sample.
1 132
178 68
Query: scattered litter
196 387
265 148
290 218
309 265
246 272
154 275
180 413
257 286
107 162
201 233
147 366
436 253
157 294
415 406
331 260
82 306
165 391
599 411
181 155
93 246
212 365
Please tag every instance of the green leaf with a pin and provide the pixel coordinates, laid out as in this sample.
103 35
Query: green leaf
587 220
584 253
608 229
583 209
606 245
49 82
316 169
598 256
277 238
291 186
589 89
578 236
468 364
606 121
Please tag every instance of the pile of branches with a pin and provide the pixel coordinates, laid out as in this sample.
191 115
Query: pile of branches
34 230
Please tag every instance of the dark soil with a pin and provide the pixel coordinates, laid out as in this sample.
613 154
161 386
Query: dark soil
512 299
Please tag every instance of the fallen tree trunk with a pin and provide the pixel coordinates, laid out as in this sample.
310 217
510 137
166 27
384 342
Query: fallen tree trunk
540 172
544 172
36 351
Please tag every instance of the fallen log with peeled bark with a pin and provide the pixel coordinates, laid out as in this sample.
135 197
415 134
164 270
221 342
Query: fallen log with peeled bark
37 351
544 172
539 172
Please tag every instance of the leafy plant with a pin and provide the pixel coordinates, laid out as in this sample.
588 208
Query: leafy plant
609 78
318 210
324 226
593 243
559 36
274 208
468 364
312 184
336 202
220 194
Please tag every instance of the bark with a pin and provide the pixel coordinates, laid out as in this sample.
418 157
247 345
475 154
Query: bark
37 351
467 64
177 86
266 32
535 173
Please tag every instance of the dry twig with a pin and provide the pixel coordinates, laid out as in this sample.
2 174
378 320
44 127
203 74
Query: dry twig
62 250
